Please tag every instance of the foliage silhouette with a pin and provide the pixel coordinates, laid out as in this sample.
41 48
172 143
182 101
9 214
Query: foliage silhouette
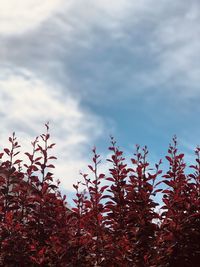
114 221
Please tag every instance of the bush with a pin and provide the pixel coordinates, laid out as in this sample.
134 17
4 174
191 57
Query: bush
114 221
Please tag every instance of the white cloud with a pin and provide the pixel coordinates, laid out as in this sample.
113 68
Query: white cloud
26 103
175 44
70 40
18 16
168 37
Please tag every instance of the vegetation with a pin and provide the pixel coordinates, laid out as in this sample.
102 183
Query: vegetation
115 220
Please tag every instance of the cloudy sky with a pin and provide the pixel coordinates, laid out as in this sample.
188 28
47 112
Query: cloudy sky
97 68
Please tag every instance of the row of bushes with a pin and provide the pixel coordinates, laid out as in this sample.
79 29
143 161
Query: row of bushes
115 219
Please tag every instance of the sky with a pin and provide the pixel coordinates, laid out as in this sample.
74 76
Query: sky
125 68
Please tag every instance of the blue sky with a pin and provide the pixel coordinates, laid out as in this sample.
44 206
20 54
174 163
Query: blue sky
95 68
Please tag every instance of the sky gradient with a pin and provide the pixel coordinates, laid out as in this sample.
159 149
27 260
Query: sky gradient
125 68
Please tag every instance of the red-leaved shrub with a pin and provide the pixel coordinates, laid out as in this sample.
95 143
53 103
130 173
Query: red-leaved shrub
115 219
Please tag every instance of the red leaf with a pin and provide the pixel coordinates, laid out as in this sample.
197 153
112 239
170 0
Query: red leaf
52 145
75 186
169 183
181 156
157 190
52 157
17 161
75 210
110 179
7 151
29 156
91 168
103 188
168 158
50 166
166 191
101 176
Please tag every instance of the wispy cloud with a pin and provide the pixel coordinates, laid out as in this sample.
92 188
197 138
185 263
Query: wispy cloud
58 56
26 103
125 47
17 17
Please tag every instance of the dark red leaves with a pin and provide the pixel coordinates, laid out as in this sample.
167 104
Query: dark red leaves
110 179
17 161
7 151
50 166
29 156
115 220
52 157
91 168
168 158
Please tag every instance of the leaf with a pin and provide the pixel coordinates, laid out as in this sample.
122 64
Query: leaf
193 167
38 163
75 210
168 158
37 159
101 176
52 157
91 168
75 201
103 188
105 196
110 179
7 151
52 186
17 161
75 186
50 166
34 179
45 188
169 183
157 190
166 191
34 168
29 156
180 156
134 161
52 145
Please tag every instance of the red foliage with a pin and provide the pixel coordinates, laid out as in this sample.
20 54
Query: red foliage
114 221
